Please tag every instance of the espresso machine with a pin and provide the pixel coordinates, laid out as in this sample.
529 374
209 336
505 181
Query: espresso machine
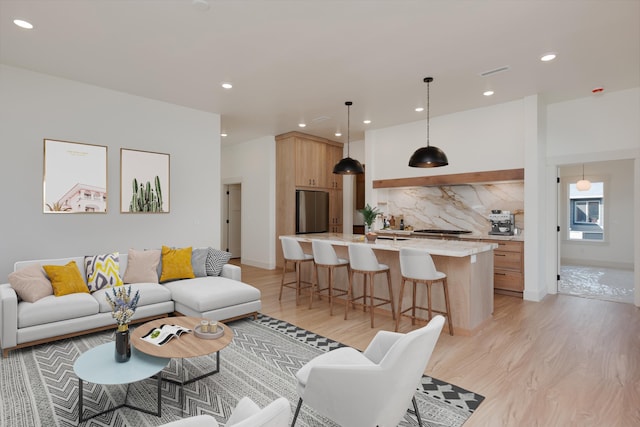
502 223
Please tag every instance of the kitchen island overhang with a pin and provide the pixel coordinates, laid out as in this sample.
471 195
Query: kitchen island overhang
468 265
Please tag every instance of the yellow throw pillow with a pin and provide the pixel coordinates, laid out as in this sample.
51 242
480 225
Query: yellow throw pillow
66 279
176 264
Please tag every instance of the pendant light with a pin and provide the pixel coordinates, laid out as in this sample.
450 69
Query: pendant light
348 166
429 156
583 184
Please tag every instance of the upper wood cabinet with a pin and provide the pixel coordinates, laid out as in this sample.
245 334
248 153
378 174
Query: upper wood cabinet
311 160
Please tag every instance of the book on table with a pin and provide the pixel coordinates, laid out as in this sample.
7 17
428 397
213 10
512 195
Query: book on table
164 334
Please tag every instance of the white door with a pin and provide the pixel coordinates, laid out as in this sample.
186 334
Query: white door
234 215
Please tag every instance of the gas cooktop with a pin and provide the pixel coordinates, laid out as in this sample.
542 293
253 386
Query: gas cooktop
438 231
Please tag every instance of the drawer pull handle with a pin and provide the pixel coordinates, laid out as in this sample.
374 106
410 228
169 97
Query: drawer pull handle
500 274
499 254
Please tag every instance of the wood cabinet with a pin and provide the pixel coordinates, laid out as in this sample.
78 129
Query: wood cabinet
305 162
335 211
310 163
334 155
508 266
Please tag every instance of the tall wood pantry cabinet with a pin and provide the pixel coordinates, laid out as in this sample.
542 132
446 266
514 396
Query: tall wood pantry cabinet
305 162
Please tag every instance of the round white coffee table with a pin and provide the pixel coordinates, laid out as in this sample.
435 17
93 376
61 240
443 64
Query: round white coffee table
99 366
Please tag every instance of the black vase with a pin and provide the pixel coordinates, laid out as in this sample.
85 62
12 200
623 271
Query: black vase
123 346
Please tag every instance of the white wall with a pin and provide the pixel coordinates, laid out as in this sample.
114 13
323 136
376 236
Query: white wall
252 164
493 134
595 124
35 106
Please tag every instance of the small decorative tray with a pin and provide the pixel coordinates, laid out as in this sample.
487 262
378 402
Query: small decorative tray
208 335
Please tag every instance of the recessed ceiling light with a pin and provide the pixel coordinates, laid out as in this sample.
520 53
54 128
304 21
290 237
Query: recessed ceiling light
227 85
487 93
223 134
419 109
548 57
338 134
23 24
302 125
366 122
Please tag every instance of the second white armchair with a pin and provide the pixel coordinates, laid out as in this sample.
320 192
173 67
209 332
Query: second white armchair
373 388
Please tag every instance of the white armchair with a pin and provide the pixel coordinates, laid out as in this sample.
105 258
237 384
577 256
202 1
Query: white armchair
245 414
373 388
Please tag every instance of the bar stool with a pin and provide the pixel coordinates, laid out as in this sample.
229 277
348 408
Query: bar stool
363 260
417 266
325 256
293 253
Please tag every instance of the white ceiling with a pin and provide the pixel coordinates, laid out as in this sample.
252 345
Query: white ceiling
292 61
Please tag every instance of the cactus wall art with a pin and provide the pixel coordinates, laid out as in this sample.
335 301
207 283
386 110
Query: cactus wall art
144 182
145 198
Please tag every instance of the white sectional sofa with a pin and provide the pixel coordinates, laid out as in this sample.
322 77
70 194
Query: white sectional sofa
51 317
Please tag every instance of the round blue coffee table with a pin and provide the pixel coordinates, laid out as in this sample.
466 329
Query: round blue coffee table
99 366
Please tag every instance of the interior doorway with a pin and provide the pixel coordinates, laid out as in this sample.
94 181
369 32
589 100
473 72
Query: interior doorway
233 220
596 230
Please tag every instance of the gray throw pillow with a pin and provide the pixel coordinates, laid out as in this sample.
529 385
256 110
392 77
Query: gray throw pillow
215 260
199 261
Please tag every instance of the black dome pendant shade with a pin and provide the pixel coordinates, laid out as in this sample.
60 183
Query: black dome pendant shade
348 166
429 156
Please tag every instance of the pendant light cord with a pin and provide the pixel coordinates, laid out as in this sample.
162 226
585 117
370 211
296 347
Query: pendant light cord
428 80
348 104
349 135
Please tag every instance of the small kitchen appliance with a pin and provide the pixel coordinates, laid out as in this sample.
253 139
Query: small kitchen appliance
502 223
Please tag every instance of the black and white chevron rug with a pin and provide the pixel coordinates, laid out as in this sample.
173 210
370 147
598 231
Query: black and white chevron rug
39 388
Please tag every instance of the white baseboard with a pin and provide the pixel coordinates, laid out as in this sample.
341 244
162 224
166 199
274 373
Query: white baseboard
258 264
598 263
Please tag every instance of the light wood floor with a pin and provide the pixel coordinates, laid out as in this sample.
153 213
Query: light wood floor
564 361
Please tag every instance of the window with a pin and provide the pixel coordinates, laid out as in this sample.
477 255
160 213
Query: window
586 213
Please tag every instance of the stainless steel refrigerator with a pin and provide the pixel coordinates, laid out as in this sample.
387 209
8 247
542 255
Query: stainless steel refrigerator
312 211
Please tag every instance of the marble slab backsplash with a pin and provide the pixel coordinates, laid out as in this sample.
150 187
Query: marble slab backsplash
453 207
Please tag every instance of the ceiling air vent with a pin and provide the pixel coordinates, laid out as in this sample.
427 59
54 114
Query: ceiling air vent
320 119
495 71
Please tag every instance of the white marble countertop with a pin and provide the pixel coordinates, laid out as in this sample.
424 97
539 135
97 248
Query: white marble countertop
470 236
443 247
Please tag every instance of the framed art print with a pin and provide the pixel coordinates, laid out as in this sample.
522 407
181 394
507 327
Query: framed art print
75 177
144 181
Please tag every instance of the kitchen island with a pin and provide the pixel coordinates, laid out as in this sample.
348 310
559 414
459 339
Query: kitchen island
468 265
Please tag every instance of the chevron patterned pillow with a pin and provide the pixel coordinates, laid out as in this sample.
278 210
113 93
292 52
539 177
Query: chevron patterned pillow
215 260
103 271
